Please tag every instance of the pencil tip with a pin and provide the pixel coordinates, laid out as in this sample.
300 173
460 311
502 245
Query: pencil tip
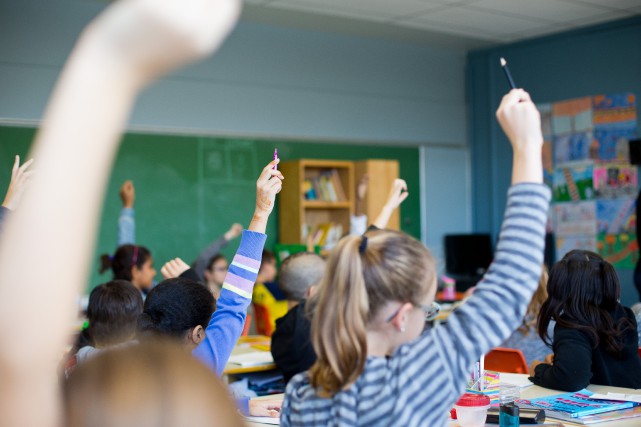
503 62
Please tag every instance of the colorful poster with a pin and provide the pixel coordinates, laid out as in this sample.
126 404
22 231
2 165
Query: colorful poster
574 219
615 180
574 147
620 250
565 244
615 123
572 116
573 182
616 216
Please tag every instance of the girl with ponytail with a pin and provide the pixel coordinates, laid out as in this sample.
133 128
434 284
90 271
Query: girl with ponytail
132 263
377 365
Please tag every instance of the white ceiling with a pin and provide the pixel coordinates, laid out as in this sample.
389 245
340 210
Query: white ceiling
473 23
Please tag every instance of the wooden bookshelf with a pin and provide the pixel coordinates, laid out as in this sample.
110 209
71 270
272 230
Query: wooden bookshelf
297 212
382 174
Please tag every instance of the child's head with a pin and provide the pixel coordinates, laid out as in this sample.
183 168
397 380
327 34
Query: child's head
113 312
267 271
380 283
298 273
582 289
216 270
146 385
133 263
177 308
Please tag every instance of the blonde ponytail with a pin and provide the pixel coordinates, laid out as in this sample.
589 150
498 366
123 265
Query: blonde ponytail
362 275
339 335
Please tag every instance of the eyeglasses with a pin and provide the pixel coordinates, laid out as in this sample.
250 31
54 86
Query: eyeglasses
431 311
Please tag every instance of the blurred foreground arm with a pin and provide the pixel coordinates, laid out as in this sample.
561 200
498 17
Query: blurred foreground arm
120 52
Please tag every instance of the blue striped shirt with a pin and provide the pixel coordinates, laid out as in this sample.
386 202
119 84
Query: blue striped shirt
421 381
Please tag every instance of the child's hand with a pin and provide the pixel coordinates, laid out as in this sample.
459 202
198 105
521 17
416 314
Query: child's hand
520 120
268 185
154 37
233 232
549 360
174 268
398 193
128 194
265 407
19 179
361 190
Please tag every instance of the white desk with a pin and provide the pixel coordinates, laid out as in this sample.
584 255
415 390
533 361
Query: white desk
536 391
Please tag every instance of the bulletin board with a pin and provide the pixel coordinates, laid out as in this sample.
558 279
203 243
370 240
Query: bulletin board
586 163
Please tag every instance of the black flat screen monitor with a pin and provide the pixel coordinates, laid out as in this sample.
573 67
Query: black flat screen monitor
467 254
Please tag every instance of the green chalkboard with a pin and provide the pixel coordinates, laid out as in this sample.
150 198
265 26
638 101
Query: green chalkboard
189 189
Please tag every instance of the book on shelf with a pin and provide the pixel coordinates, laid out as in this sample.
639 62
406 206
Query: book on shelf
326 187
578 408
325 235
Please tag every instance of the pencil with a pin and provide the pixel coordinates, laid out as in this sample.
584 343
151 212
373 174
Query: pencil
506 70
275 157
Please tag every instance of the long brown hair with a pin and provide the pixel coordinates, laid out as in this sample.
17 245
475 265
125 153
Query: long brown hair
533 309
362 275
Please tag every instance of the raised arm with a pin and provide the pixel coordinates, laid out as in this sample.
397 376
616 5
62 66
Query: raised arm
20 176
118 54
398 193
127 220
228 320
214 248
500 300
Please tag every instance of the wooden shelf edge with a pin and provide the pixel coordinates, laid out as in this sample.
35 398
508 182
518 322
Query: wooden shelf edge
316 204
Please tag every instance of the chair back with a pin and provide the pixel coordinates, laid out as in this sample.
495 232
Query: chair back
508 360
263 325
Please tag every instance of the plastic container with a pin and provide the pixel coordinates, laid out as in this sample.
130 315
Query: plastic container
449 289
471 410
508 410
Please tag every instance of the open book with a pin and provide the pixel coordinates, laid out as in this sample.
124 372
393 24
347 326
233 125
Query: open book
578 408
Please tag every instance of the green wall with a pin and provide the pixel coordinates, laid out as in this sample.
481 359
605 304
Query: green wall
189 189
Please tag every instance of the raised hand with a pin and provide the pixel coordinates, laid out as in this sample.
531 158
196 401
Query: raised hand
233 232
174 268
521 123
128 194
269 184
398 193
19 179
152 37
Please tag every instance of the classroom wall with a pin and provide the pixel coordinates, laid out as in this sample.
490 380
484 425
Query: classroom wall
270 82
600 59
266 81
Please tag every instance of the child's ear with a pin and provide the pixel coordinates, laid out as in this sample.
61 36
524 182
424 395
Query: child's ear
401 320
310 292
197 334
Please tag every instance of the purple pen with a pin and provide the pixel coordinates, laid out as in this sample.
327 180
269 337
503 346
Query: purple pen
275 157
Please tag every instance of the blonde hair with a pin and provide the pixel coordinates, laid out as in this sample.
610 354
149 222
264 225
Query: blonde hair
362 275
147 385
539 297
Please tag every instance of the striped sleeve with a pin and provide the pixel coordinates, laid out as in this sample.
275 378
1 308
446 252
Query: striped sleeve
499 301
227 322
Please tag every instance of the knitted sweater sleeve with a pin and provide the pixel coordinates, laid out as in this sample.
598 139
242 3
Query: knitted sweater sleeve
227 322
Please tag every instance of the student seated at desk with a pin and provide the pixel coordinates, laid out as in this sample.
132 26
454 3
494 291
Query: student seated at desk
595 337
291 345
112 313
376 365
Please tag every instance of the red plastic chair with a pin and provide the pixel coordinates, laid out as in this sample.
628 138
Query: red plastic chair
263 325
506 360
248 322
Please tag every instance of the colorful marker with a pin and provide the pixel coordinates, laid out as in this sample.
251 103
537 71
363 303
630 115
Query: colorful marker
508 75
275 157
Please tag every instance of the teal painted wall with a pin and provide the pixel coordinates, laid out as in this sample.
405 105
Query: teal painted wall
601 59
